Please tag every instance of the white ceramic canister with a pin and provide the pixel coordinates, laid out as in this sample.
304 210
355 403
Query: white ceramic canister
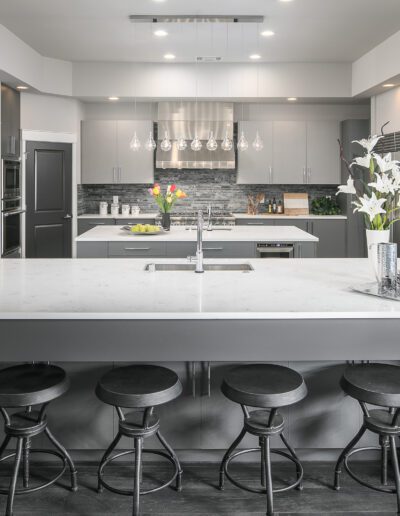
114 209
135 210
125 209
103 208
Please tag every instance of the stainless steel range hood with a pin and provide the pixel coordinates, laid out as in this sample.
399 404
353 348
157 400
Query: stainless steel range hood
188 119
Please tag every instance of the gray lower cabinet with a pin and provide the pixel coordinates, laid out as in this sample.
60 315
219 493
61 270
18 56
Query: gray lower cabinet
140 249
332 237
86 224
92 250
254 222
229 249
181 249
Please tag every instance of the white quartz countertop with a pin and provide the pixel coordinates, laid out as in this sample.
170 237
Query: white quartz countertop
283 216
287 234
144 216
107 289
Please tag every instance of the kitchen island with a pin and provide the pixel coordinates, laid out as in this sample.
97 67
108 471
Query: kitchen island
180 242
89 314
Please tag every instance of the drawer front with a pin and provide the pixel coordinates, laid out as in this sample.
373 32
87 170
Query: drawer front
86 224
254 222
229 249
136 249
181 249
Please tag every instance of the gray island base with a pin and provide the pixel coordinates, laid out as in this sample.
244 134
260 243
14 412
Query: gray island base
89 314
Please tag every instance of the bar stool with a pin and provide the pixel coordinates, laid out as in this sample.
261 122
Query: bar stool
139 387
379 385
27 386
267 387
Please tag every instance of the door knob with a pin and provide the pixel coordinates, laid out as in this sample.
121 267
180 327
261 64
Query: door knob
68 216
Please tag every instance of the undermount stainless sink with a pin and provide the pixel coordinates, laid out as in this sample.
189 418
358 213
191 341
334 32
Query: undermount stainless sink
239 267
216 228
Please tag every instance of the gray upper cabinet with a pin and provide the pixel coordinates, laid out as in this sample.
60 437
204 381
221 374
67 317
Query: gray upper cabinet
99 152
255 167
10 122
106 154
134 167
323 158
290 153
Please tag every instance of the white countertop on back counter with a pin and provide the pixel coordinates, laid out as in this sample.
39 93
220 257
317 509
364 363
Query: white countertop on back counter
286 234
118 289
288 217
144 216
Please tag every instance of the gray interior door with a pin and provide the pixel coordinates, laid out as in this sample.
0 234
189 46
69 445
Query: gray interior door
48 200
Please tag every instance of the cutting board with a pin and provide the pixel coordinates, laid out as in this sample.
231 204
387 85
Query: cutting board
296 204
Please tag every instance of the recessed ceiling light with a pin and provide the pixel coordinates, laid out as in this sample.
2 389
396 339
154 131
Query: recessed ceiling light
169 56
160 33
292 99
22 87
255 56
267 33
388 85
113 98
286 0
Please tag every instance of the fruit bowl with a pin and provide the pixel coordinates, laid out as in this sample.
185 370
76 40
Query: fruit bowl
143 230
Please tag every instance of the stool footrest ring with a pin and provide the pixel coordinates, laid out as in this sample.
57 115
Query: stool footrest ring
129 492
358 479
26 490
257 490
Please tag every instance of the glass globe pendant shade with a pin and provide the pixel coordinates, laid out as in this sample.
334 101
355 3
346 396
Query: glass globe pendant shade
166 143
181 144
135 143
227 143
150 144
196 144
258 144
212 144
243 144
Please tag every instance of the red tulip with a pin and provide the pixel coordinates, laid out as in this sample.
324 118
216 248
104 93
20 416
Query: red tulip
173 188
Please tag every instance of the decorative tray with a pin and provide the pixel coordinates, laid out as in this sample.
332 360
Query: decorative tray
142 233
373 289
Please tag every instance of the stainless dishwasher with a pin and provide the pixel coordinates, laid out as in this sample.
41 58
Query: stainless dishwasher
275 250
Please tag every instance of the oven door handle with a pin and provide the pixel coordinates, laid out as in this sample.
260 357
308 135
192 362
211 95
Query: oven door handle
277 250
13 212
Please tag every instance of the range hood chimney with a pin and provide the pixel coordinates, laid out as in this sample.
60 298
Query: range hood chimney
188 119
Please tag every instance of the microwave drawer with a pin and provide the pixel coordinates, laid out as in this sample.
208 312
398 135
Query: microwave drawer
136 249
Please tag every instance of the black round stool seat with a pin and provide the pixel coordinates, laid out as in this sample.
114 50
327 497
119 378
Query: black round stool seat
378 384
31 384
139 386
264 385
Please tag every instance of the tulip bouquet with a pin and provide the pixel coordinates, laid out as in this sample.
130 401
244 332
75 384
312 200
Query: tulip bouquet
167 200
378 195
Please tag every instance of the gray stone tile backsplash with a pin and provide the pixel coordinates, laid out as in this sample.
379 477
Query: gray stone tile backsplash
201 186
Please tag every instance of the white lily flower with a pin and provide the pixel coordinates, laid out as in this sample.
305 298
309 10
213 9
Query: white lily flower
347 188
369 143
385 163
396 177
370 205
364 161
384 184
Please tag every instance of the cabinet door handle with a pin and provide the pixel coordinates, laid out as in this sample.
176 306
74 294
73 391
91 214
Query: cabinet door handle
137 248
96 223
271 175
304 175
119 174
255 224
309 175
113 171
213 248
209 379
194 379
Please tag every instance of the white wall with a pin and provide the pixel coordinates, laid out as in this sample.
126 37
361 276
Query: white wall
386 108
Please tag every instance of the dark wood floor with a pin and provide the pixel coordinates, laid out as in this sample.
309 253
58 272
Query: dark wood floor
200 496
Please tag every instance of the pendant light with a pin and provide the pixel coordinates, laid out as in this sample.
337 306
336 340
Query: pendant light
181 143
166 143
150 144
135 143
212 144
226 143
196 144
243 144
258 144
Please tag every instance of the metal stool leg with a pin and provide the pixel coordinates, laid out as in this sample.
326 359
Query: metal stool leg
384 442
138 466
293 454
395 463
107 453
343 455
13 483
25 455
267 461
234 445
172 453
263 472
4 445
63 451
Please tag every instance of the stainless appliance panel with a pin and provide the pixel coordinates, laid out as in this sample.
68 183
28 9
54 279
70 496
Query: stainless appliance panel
275 250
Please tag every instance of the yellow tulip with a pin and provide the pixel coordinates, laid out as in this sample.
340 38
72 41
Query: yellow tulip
156 191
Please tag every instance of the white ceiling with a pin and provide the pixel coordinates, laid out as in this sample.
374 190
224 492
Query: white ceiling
99 30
